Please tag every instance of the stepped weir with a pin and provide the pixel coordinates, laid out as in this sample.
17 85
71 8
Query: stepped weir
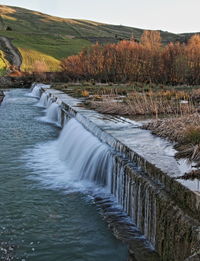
136 168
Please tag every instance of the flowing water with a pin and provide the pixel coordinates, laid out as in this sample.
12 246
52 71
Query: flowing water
47 212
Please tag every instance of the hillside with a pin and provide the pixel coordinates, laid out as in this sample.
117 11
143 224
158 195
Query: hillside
49 38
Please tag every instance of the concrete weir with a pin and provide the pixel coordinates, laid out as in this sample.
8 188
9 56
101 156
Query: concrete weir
165 209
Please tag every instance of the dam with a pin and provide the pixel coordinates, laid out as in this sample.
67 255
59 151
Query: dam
79 162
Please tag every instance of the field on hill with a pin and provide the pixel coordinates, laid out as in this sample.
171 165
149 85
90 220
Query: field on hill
50 48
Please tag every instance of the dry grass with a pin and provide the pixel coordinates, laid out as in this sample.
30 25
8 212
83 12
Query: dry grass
176 128
30 58
150 103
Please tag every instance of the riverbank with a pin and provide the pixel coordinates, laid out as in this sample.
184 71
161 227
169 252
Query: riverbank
9 82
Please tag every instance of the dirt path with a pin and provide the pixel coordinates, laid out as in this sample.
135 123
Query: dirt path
12 53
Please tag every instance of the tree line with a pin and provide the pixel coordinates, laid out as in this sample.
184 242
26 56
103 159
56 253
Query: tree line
147 61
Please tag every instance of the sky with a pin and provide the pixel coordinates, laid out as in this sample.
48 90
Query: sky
177 16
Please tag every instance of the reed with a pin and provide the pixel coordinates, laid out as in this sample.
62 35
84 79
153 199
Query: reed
150 103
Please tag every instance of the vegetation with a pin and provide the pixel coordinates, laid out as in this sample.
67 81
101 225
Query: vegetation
146 62
142 104
27 21
136 99
31 60
59 38
48 46
51 45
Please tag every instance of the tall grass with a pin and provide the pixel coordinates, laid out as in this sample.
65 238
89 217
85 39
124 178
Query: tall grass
150 103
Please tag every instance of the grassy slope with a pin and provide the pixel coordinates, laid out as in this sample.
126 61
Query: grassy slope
23 20
55 46
58 38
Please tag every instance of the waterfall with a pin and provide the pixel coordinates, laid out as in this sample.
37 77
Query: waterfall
43 102
36 89
83 153
36 92
89 159
49 102
53 114
53 111
77 145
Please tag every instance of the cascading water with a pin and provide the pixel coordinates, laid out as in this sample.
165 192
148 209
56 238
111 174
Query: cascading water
53 113
49 102
36 89
36 92
43 102
85 154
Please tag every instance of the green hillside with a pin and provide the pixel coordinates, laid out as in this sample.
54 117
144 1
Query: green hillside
50 38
